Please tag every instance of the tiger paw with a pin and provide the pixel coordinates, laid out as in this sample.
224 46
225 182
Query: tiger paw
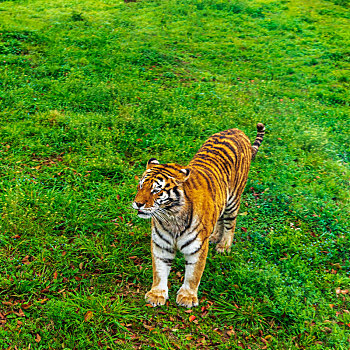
222 248
156 297
186 298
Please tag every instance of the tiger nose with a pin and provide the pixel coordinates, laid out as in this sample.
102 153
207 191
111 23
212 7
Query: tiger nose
137 205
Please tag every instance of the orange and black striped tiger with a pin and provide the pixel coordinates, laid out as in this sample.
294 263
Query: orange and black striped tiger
194 204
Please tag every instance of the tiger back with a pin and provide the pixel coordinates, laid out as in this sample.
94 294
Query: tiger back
190 206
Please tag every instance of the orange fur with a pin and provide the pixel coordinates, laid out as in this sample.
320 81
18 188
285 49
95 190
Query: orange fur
191 205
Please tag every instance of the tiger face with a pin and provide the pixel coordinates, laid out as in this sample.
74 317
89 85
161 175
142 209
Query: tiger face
160 190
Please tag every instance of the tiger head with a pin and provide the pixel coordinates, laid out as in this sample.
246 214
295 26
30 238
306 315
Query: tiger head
160 190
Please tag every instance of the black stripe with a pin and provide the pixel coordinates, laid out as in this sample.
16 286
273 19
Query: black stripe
189 218
173 204
167 172
165 260
240 177
199 248
229 213
221 219
243 179
228 145
202 154
228 227
188 263
204 164
163 200
176 192
161 236
194 229
216 143
204 176
221 165
231 209
231 200
222 155
169 250
162 225
172 167
230 219
189 241
210 170
221 144
160 171
194 183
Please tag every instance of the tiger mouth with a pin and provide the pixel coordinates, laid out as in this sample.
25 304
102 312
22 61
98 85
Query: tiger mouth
143 215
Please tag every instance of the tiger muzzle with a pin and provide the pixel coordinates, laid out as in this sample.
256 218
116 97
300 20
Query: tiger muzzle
142 211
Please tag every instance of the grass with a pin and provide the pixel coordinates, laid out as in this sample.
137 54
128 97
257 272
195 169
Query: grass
90 91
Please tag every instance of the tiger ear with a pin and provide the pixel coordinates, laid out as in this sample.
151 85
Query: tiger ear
184 174
151 163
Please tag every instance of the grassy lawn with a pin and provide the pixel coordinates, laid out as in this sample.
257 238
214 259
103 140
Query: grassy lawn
90 90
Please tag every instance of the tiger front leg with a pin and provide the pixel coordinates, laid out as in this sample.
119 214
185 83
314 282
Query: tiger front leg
162 258
195 264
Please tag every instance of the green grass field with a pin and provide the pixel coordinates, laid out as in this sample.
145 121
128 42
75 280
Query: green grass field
90 90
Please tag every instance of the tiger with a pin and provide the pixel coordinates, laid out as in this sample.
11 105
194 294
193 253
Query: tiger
192 205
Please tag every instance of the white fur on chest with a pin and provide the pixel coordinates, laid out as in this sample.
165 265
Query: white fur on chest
171 236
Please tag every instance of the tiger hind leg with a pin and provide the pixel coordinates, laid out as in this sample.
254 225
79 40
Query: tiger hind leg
218 232
229 225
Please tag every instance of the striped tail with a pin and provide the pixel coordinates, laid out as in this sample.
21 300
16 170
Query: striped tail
258 140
